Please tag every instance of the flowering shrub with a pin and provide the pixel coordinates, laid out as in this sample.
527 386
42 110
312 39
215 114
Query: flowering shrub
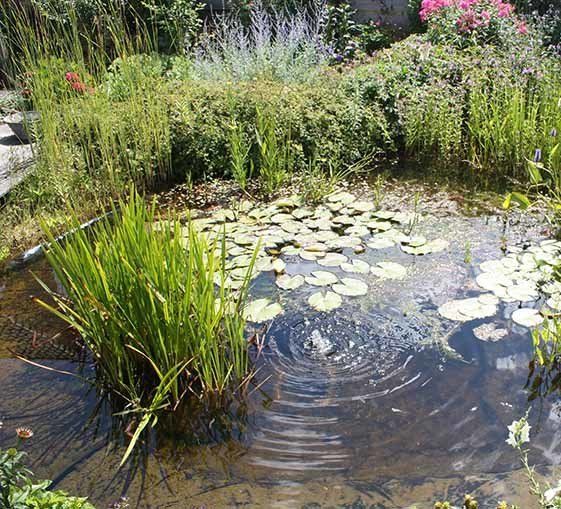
467 22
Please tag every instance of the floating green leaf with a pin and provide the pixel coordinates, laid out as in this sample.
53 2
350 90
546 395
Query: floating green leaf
262 310
327 301
351 287
321 278
389 270
287 282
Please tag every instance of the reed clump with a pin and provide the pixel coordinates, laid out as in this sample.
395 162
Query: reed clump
149 300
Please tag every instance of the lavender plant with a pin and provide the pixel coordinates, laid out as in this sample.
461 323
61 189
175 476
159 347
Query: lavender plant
274 45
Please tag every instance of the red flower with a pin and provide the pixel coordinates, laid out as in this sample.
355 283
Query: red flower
72 77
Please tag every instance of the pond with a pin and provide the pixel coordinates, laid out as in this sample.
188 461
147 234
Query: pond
382 402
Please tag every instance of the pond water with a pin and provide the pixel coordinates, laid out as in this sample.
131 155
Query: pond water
380 403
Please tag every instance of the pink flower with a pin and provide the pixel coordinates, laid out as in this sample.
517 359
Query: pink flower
505 10
71 77
522 28
429 7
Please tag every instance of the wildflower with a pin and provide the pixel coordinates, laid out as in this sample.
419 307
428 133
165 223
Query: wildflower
553 133
24 433
537 155
522 28
72 77
553 493
518 433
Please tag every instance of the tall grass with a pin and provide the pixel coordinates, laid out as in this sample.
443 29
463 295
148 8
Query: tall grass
146 302
91 143
274 150
507 123
274 45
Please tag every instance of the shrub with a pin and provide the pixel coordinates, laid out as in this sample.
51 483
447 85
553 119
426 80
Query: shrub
481 103
324 121
18 491
275 45
468 22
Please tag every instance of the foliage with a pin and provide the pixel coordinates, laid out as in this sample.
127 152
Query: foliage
468 22
173 23
275 45
322 177
274 152
482 104
18 491
145 302
347 38
323 121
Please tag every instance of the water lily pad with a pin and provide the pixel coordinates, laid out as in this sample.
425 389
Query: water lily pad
290 250
381 226
489 332
341 197
356 266
527 317
327 301
362 206
311 256
287 282
344 220
493 281
302 213
384 214
380 243
344 242
324 235
357 231
351 287
278 266
321 278
464 310
282 218
554 302
332 260
389 270
523 292
317 247
262 310
419 247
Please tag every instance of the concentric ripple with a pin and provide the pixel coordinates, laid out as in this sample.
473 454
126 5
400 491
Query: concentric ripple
322 369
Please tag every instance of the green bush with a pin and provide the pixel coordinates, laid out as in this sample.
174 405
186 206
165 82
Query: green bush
325 121
481 104
18 491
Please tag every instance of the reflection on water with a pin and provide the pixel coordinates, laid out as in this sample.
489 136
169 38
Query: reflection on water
380 404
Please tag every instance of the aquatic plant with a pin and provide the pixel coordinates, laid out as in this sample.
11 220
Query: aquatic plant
144 299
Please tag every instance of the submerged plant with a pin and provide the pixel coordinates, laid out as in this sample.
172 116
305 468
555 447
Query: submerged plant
150 302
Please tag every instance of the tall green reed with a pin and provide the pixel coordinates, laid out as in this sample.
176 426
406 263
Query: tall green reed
150 302
506 123
89 143
275 154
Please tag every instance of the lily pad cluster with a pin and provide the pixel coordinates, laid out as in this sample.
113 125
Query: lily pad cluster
333 235
523 276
